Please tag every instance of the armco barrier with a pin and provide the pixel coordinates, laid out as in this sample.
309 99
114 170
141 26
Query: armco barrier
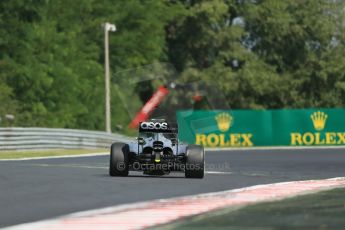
47 138
246 128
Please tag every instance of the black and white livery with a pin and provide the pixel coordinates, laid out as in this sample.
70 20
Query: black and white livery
157 151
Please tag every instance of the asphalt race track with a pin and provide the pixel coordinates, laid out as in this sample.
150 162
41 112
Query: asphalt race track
39 189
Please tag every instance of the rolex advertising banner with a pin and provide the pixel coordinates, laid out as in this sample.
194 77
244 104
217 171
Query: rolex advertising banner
246 128
233 128
308 127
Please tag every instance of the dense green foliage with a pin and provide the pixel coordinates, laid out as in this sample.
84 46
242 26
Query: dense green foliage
260 54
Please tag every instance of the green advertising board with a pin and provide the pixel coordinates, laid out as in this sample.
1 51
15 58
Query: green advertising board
308 127
246 128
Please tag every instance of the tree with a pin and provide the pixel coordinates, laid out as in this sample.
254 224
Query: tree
255 54
263 54
53 51
303 41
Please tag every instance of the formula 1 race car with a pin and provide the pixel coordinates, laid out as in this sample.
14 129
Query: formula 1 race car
157 152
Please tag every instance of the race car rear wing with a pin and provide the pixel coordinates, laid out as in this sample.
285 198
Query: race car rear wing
158 127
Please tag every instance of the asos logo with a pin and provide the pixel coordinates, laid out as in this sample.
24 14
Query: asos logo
153 125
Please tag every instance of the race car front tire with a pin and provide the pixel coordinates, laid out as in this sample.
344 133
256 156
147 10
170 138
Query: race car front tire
119 154
195 162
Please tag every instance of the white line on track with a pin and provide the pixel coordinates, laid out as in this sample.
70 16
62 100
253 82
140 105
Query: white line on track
292 148
57 157
103 167
148 214
69 166
216 172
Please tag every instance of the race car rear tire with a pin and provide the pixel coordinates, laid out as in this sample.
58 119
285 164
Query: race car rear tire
119 154
195 161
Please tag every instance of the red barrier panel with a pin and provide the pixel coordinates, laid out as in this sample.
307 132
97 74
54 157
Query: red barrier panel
150 105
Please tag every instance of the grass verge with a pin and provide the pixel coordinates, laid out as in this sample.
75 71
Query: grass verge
47 153
324 210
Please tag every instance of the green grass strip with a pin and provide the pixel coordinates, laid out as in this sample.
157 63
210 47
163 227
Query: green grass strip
47 153
324 210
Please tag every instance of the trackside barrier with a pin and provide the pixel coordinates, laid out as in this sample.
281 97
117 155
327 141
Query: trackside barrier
247 128
49 138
